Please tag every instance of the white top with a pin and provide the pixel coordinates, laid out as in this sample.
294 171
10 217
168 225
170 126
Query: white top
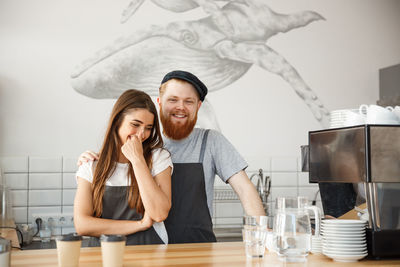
161 160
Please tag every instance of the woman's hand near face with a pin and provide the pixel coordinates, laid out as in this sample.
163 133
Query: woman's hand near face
133 149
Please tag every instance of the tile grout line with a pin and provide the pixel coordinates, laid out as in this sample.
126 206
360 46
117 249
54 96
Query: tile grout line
27 197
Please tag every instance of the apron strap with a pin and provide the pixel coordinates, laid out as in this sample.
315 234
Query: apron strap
203 146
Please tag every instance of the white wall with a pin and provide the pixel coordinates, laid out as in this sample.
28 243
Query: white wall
41 41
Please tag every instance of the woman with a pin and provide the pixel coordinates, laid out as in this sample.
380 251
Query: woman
128 190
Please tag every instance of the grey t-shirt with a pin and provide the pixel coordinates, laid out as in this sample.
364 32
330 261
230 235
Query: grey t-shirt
220 157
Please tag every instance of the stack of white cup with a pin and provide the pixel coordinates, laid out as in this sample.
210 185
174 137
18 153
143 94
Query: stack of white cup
365 114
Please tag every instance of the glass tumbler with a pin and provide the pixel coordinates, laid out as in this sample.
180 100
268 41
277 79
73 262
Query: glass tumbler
5 252
254 235
269 208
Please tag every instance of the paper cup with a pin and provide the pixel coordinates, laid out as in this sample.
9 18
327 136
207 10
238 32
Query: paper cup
68 250
112 250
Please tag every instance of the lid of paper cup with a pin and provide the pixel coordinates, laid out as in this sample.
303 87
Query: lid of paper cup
112 238
70 237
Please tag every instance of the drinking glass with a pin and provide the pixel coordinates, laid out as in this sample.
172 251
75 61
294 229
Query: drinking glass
254 235
292 228
270 242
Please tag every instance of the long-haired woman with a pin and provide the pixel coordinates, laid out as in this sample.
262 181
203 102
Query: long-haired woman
128 190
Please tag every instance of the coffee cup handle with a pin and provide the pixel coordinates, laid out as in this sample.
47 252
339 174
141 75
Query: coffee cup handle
317 216
363 109
389 108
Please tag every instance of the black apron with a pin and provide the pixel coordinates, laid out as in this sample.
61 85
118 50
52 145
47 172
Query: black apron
115 206
189 219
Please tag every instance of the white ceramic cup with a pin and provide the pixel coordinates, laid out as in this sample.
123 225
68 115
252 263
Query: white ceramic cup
112 250
379 115
68 250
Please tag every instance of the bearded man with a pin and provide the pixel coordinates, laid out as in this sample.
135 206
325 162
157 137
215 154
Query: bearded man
198 155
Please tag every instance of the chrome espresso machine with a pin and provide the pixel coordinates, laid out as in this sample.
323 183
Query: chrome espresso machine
356 165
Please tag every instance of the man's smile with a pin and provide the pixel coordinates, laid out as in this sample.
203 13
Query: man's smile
179 116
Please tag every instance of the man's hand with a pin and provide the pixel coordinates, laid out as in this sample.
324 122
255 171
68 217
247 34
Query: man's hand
87 156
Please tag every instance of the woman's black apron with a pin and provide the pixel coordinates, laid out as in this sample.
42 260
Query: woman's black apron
115 206
189 219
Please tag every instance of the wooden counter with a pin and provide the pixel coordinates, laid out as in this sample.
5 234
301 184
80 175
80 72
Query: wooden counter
203 254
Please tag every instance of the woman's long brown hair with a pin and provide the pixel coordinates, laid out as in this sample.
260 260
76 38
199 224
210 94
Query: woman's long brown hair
111 149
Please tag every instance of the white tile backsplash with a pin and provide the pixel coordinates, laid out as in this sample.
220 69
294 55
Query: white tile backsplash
44 197
68 209
45 181
42 210
45 164
256 163
303 180
284 164
14 164
283 192
69 164
17 180
309 192
68 196
284 179
19 198
69 180
20 214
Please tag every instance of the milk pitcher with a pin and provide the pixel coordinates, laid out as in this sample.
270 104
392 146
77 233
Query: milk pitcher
292 228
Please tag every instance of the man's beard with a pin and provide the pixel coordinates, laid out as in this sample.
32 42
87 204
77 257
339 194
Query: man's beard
174 130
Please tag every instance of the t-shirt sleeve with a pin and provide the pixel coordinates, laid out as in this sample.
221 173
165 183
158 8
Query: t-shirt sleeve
227 160
161 161
85 171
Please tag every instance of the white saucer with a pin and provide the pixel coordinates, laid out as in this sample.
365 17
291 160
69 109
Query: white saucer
343 238
348 244
342 252
342 234
345 258
345 250
343 227
343 222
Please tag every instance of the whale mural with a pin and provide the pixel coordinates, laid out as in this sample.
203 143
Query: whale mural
219 48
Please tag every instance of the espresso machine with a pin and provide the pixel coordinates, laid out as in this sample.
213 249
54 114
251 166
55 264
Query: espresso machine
361 164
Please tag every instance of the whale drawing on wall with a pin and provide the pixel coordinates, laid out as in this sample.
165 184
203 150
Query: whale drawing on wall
219 49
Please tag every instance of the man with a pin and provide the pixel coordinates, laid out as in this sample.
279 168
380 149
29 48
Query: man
198 155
